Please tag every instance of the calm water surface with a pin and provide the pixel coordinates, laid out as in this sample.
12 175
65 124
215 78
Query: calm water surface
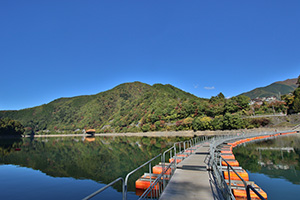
72 168
274 165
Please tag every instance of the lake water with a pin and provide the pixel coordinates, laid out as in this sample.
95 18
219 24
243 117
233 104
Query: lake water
274 165
72 168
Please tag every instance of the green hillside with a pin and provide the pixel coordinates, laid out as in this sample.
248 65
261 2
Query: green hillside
124 107
136 107
282 87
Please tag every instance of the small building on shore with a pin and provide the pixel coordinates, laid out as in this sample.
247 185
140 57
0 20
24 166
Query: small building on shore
90 131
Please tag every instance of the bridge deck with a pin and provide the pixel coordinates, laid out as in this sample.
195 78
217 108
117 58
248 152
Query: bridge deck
191 179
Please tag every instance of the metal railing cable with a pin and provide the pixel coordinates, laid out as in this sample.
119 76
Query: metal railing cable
107 186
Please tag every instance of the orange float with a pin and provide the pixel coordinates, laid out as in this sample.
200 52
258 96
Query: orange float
178 160
233 163
228 156
241 194
243 174
226 151
182 155
144 183
158 169
140 192
189 151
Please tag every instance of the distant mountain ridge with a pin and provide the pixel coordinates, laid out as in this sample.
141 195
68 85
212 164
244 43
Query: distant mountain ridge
274 89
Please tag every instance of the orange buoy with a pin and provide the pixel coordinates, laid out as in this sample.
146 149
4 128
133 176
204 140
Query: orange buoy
178 160
233 175
189 151
233 163
158 169
241 193
147 176
143 184
182 155
226 151
140 192
228 156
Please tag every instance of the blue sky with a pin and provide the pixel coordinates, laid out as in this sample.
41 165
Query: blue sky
59 48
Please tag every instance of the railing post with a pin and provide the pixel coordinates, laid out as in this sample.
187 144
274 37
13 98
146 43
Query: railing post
248 193
150 176
175 156
125 191
229 178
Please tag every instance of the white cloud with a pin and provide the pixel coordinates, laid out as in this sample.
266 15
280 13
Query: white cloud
196 86
209 88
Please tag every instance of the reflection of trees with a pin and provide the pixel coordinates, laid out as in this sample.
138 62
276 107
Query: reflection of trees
274 163
103 160
8 146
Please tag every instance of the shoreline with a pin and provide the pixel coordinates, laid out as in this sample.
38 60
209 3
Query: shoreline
167 133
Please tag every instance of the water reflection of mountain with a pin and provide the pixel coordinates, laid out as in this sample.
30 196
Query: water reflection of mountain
273 158
291 175
103 159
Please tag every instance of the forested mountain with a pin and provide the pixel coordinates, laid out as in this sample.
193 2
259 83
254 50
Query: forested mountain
125 105
282 87
133 107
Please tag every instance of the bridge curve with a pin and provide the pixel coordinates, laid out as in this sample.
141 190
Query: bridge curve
200 177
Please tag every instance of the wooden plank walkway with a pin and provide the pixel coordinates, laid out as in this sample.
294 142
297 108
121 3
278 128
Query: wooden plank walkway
191 179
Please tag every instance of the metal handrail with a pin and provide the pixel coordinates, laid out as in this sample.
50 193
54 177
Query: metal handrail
163 159
157 180
229 166
105 187
174 150
126 179
213 162
255 191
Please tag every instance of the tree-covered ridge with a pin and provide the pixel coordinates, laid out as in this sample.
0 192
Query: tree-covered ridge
124 106
135 107
282 87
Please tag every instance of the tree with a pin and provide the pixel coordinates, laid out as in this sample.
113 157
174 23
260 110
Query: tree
145 127
202 123
233 122
187 122
293 101
217 122
296 103
230 106
243 102
217 99
9 127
